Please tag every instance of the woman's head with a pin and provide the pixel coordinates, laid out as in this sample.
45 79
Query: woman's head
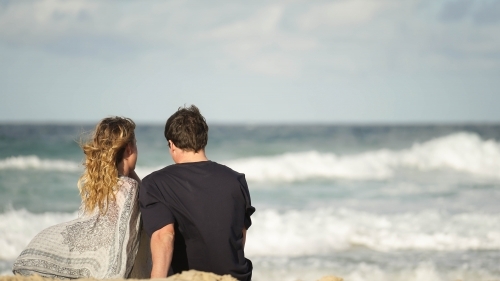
112 139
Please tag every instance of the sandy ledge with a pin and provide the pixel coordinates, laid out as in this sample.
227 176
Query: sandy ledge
191 275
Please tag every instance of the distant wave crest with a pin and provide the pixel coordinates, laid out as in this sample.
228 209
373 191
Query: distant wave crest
34 162
461 152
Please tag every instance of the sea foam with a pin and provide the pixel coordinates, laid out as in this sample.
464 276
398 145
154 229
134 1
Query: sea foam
18 227
460 152
321 231
402 270
34 162
328 230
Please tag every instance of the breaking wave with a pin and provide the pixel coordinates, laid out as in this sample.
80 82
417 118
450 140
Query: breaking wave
327 230
313 232
460 152
18 227
34 162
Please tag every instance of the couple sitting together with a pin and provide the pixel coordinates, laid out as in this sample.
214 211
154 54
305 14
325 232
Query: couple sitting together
193 214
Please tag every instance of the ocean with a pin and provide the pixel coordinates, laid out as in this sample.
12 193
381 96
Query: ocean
374 202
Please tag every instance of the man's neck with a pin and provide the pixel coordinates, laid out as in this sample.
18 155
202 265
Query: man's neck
191 156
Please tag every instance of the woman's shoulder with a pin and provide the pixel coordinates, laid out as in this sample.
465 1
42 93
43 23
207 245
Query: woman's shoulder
126 182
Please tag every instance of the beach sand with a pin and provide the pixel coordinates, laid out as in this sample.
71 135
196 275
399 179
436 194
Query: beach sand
191 275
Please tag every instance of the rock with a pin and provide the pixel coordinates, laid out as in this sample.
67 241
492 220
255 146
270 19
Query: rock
331 278
22 278
191 275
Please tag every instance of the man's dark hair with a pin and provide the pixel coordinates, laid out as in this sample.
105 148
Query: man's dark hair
187 129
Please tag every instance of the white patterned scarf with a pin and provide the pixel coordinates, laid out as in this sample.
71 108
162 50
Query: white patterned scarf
98 246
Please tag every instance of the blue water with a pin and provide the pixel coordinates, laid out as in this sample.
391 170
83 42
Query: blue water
361 202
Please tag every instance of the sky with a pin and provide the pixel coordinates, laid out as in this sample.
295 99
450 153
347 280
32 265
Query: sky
298 61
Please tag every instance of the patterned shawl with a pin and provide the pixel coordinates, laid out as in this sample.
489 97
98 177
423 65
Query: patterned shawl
99 246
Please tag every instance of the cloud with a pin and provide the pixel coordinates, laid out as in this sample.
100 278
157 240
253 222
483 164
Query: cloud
311 56
49 11
488 12
33 22
482 12
262 24
260 44
456 10
282 38
340 13
464 37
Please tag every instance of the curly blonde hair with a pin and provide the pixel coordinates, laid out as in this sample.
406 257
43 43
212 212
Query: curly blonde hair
103 152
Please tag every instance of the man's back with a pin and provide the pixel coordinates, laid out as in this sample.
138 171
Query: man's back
210 206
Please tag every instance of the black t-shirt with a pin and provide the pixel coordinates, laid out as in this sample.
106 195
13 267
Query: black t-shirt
209 205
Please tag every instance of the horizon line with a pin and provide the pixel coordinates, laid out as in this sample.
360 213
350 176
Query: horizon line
274 123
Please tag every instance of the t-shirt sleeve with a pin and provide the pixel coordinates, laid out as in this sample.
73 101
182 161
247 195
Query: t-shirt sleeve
249 209
155 213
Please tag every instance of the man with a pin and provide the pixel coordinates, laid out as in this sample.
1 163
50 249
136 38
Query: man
196 211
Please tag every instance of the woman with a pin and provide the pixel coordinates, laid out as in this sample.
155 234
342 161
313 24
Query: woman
103 241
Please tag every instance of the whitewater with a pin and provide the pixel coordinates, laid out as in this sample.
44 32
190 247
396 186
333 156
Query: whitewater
461 152
361 202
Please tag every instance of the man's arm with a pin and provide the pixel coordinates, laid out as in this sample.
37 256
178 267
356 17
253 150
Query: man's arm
162 248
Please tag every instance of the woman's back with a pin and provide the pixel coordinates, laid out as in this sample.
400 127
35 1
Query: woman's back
99 245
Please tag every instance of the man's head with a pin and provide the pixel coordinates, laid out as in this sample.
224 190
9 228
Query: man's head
187 129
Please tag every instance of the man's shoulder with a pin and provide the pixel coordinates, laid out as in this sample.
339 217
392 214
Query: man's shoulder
159 174
191 172
225 169
228 173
